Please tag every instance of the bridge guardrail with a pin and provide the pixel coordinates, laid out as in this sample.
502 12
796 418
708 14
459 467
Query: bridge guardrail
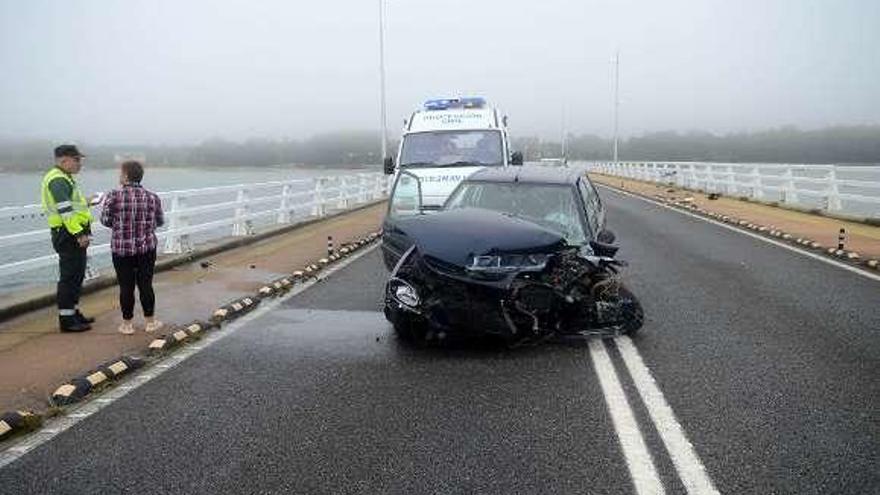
279 202
850 190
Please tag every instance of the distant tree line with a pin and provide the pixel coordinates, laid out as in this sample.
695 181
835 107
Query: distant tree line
849 144
351 148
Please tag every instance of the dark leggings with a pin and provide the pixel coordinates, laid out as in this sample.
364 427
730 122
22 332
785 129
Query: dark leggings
134 271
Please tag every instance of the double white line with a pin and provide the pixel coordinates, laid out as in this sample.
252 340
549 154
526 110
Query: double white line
638 458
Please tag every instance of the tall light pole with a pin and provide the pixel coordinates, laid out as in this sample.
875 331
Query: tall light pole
616 99
383 118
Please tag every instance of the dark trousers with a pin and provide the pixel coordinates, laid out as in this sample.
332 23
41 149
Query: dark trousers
71 270
134 271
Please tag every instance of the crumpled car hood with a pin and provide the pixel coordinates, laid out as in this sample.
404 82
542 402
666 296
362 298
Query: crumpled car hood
456 236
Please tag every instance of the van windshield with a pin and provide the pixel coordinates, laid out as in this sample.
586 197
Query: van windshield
452 148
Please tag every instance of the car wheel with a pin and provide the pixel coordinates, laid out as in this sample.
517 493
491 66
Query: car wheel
633 314
407 329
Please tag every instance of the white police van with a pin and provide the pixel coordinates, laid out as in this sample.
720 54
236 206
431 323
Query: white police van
443 143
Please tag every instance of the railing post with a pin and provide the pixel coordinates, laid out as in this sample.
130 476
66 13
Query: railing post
364 188
757 186
832 199
318 197
342 187
789 192
379 187
242 226
177 243
284 209
731 181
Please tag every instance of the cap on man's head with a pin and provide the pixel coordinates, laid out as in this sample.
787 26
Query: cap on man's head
67 150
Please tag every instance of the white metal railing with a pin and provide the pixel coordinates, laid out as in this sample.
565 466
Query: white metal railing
843 189
237 211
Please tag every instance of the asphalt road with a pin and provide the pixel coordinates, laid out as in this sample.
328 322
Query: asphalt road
767 360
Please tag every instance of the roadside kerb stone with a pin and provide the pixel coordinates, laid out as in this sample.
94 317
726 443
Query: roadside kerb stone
78 388
14 422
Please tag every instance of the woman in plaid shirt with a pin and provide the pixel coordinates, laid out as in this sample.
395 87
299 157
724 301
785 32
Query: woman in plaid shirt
133 213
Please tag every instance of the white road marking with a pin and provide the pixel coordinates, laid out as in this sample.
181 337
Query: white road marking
686 461
78 413
638 458
808 254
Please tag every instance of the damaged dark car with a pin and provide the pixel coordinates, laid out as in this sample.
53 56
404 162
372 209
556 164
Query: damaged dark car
520 253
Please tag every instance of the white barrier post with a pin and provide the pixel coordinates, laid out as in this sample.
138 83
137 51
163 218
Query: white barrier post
832 198
284 209
343 193
363 188
176 243
242 226
757 186
789 192
318 197
731 181
379 187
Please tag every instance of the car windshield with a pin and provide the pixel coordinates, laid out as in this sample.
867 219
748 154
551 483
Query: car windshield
452 148
554 207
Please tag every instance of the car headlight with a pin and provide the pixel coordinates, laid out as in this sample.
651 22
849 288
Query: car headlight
508 263
403 292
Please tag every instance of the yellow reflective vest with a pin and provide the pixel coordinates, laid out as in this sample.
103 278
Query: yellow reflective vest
64 203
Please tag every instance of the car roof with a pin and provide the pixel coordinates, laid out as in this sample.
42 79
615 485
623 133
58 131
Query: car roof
533 174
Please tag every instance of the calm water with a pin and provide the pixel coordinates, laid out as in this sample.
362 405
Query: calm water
23 188
18 189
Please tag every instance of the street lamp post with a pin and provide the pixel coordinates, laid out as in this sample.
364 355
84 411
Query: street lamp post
383 118
616 99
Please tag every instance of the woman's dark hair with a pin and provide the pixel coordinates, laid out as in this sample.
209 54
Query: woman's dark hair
134 171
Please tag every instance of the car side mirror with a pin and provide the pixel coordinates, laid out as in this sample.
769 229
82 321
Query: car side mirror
602 249
516 158
606 237
389 165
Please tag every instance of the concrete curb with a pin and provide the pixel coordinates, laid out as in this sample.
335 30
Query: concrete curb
78 388
179 335
47 298
14 422
234 309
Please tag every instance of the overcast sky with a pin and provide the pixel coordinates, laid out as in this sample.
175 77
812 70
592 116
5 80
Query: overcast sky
163 71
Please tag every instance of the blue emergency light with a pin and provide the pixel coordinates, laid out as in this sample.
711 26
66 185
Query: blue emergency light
472 102
447 103
441 104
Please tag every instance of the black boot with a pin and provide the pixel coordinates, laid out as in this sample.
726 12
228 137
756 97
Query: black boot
83 318
72 324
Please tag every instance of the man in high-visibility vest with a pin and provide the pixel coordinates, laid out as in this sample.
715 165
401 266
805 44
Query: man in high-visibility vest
70 223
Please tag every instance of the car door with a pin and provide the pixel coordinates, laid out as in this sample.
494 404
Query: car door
592 207
405 202
598 205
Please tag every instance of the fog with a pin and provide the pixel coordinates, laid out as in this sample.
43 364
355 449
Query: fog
177 72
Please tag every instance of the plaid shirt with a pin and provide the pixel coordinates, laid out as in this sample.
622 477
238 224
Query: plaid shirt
133 213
